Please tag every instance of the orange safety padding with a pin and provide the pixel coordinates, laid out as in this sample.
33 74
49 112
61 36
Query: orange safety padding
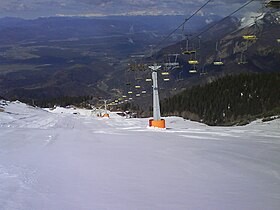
106 115
157 124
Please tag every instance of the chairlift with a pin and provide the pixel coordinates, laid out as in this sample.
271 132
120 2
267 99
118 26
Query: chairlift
138 64
242 60
165 73
193 62
218 62
180 78
187 50
172 61
193 71
250 37
176 67
273 4
132 67
203 72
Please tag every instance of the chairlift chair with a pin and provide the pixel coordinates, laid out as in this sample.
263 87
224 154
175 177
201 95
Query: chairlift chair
250 37
273 4
242 60
193 70
193 62
218 63
188 52
165 73
180 78
203 72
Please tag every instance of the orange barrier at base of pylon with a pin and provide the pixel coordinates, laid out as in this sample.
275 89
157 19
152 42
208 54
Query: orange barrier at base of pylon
157 124
106 115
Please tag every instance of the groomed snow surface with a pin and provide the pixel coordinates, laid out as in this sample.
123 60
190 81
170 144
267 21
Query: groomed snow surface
57 160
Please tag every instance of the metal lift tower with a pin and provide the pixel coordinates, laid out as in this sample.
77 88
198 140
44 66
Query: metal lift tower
156 121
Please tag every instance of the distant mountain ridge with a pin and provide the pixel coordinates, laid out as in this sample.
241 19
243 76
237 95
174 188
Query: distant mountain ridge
74 56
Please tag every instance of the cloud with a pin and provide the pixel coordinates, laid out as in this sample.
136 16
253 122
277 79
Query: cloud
33 8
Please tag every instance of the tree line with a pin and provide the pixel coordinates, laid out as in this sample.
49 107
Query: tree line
228 100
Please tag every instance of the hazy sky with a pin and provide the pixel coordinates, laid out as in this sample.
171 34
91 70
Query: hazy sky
37 8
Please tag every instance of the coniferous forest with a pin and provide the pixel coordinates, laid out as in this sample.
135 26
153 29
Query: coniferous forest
229 100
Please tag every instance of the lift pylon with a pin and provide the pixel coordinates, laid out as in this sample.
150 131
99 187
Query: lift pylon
156 121
106 111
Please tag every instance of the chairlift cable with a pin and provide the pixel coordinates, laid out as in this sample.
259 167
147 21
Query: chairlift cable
212 26
182 24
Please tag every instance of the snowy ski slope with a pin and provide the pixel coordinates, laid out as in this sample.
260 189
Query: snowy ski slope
55 160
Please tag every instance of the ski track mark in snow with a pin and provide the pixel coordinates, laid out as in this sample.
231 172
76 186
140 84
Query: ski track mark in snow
65 161
15 182
200 137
